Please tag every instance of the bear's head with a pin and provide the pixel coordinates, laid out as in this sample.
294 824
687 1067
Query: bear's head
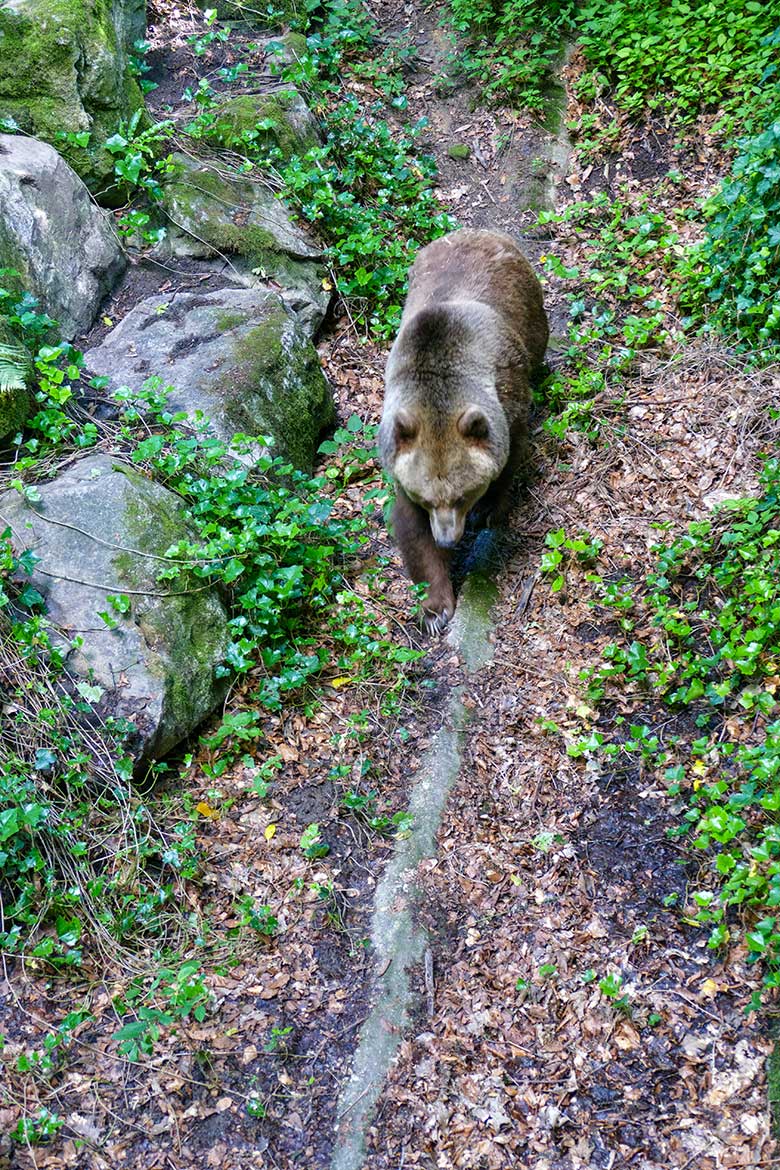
444 464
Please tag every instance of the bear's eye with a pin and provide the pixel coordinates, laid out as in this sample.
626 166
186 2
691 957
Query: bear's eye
460 503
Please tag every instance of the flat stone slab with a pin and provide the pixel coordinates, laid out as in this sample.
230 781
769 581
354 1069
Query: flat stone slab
238 356
52 233
101 528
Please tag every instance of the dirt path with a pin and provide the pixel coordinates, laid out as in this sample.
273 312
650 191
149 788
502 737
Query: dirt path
553 874
514 160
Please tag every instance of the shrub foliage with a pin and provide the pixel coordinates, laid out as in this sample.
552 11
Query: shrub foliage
737 268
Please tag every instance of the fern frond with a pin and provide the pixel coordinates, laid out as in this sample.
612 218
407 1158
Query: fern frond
14 368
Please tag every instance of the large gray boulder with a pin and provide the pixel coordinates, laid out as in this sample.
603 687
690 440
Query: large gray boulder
51 231
101 528
238 356
64 68
214 213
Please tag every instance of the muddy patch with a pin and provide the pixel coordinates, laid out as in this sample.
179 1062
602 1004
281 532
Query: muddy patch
623 843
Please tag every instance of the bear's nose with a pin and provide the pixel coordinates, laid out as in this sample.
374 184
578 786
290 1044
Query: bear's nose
446 527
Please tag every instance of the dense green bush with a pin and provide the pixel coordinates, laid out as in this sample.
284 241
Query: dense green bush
737 268
682 55
678 55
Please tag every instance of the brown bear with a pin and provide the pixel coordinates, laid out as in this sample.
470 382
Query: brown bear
457 394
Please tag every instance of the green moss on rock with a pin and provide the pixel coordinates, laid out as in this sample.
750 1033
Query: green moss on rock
218 213
186 633
13 258
295 45
191 187
280 119
63 68
234 217
229 321
15 407
278 388
237 218
251 241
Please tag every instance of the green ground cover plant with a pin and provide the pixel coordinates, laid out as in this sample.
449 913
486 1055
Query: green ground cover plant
701 637
680 56
371 197
618 311
674 55
367 190
66 791
91 861
732 279
513 46
562 550
683 59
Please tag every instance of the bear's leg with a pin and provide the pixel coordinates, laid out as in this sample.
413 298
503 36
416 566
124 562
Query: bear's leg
424 561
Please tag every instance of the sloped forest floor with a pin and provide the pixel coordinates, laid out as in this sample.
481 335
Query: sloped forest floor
553 871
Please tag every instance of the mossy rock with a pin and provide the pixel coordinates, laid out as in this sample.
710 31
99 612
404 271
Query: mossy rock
293 46
238 356
101 528
64 68
51 232
280 119
262 14
218 213
214 214
15 408
295 401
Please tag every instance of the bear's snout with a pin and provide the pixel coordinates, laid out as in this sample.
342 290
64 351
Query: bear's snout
447 526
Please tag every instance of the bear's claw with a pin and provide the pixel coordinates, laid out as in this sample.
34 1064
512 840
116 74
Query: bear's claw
436 623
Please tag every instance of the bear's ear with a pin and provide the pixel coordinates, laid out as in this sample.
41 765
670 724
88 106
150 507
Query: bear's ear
405 427
473 424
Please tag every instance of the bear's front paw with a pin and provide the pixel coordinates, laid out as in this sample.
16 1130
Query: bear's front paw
436 623
437 612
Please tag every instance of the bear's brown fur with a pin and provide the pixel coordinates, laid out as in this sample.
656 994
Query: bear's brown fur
457 393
